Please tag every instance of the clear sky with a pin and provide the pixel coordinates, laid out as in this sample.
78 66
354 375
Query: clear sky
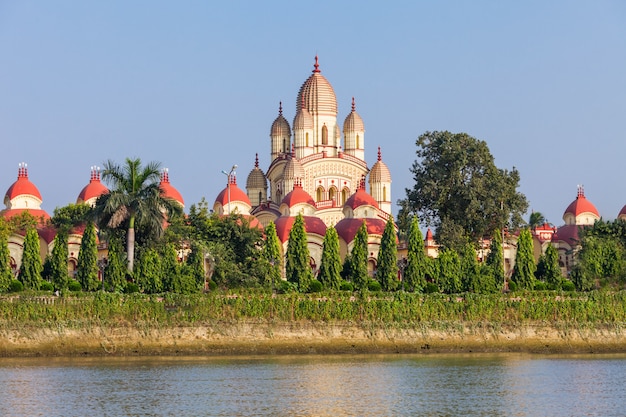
196 86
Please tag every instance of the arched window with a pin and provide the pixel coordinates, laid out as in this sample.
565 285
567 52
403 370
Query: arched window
319 194
344 195
285 146
384 193
306 136
324 135
358 141
332 193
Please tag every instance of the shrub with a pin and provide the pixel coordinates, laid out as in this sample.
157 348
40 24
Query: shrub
212 285
346 286
74 286
16 286
315 286
285 287
540 286
131 288
512 285
46 286
431 288
568 286
374 285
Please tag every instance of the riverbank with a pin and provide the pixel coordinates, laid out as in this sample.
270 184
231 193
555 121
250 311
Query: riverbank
262 338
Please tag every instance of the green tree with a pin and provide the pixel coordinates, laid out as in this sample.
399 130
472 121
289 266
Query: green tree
358 259
195 263
64 218
58 261
417 261
536 219
87 268
135 200
173 281
470 270
524 270
31 267
149 275
6 274
494 278
272 254
460 191
330 269
387 262
115 269
548 269
449 271
297 268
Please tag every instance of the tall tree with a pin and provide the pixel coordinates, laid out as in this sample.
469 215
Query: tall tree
298 269
173 280
6 274
449 271
87 268
524 270
460 191
58 262
149 274
495 262
470 270
387 262
548 269
195 263
330 268
115 270
272 254
358 259
536 219
135 200
31 267
417 261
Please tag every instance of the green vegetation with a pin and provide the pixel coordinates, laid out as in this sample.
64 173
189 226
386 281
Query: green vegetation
297 269
357 261
524 270
330 268
387 272
87 268
414 274
31 267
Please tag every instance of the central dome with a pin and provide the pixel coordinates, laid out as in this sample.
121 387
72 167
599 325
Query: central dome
317 95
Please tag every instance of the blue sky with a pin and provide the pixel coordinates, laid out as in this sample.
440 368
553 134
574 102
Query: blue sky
196 86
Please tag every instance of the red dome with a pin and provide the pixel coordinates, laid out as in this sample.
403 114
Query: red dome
94 189
581 205
236 194
22 186
297 196
567 234
622 212
312 225
361 198
347 228
168 191
36 213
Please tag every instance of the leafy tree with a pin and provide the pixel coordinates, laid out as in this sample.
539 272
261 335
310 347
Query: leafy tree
460 191
358 259
417 261
31 267
115 269
548 269
470 270
195 264
449 271
172 278
23 222
330 268
149 275
536 219
135 200
387 268
524 270
495 263
64 218
87 268
58 261
6 274
297 268
272 254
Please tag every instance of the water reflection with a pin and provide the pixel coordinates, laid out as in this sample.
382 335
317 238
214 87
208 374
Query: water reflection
437 385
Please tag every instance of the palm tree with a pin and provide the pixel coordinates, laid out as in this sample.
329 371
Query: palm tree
135 200
536 219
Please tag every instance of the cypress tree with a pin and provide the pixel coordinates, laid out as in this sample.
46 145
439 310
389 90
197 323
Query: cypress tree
548 269
58 261
31 267
470 270
87 267
495 263
6 275
115 270
195 264
272 254
524 270
358 259
417 262
449 271
387 268
297 268
149 272
330 268
171 271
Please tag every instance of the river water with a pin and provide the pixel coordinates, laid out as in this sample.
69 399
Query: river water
366 385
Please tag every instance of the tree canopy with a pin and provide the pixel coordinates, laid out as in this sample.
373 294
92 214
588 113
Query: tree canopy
460 191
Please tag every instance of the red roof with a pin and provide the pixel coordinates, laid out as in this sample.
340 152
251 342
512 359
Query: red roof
168 191
236 194
298 195
22 186
347 228
581 205
312 225
94 189
361 198
37 213
567 234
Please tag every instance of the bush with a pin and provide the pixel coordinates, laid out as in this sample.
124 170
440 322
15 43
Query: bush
46 286
315 286
286 287
16 286
212 285
131 288
512 285
74 286
568 286
540 286
346 286
431 288
374 285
